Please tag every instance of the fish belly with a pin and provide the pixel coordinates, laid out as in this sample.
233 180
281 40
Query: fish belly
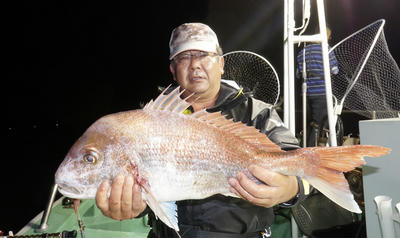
198 179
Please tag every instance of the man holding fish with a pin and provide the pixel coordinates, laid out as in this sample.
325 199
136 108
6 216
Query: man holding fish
200 173
196 66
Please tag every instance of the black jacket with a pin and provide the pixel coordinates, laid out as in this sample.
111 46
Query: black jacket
219 216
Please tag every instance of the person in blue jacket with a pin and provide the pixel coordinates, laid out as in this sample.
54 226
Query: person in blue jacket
310 58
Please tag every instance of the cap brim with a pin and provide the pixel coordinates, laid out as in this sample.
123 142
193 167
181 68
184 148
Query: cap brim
195 45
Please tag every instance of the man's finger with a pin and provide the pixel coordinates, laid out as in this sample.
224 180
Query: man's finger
266 176
126 197
101 196
116 193
280 187
256 190
239 190
138 205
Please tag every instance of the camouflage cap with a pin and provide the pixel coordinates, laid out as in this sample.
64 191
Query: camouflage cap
192 36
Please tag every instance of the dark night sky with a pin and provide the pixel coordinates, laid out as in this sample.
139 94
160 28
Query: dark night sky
69 63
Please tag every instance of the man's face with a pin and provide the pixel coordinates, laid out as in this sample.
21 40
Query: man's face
198 72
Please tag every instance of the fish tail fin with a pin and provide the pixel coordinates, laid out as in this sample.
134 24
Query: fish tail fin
333 161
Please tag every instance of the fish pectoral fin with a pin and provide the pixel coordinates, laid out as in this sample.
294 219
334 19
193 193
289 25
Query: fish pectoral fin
169 211
165 211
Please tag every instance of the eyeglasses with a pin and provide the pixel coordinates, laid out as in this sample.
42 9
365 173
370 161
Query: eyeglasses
187 56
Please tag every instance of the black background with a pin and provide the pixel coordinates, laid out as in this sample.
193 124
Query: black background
68 63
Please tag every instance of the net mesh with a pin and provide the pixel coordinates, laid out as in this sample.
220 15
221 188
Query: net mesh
367 84
254 74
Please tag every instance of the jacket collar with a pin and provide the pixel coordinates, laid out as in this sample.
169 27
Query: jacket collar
227 94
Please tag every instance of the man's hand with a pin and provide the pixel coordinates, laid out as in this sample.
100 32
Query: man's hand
125 200
277 188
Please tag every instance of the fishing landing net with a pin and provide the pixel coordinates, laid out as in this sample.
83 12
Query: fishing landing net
254 74
368 82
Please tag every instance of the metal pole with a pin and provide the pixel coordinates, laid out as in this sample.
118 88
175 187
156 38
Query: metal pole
288 85
304 91
43 223
288 79
291 66
285 66
327 74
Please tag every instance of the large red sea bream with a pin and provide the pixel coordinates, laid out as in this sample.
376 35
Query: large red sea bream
177 157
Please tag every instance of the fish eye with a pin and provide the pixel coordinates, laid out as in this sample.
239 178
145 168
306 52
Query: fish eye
90 157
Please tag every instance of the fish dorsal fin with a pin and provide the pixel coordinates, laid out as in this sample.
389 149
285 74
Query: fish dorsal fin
248 133
174 103
169 102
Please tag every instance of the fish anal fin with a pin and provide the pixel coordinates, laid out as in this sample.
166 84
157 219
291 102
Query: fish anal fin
343 198
336 178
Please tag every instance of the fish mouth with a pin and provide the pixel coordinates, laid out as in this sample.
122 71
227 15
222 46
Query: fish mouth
71 192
